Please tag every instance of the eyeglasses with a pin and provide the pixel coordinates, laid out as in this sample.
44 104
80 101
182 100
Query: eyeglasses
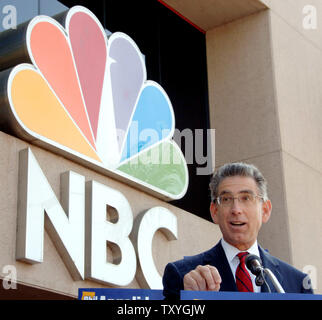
245 199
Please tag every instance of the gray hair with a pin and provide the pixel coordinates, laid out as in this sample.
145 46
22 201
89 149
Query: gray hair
238 169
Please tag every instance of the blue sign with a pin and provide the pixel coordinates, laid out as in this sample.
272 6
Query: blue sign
213 295
119 294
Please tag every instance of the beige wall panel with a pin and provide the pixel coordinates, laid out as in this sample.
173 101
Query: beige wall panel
291 12
297 57
304 201
297 65
241 89
274 235
52 273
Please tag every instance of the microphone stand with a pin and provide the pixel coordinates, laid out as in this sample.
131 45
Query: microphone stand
275 282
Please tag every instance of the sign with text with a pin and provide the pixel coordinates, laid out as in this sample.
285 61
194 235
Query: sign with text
221 295
81 232
119 294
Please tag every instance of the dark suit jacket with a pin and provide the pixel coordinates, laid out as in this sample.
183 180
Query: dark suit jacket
291 279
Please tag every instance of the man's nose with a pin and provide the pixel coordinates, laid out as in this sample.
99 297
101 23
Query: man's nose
236 207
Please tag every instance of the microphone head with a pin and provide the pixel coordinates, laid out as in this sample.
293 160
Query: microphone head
254 264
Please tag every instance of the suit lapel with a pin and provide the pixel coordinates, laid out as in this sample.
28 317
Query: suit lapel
217 258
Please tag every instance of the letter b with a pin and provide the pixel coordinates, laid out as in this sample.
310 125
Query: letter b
100 231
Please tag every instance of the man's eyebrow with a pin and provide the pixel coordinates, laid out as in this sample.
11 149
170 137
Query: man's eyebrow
225 192
247 191
241 191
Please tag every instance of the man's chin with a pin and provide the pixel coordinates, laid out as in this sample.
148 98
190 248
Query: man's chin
240 243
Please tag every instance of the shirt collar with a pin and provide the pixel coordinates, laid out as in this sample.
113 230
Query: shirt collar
232 251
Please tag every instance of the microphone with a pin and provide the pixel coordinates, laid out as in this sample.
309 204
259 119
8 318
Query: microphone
254 264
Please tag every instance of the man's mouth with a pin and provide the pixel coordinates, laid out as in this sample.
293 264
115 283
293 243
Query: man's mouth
237 223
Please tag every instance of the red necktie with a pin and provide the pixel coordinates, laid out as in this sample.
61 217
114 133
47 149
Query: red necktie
243 279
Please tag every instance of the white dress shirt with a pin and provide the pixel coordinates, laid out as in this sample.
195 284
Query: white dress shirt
233 260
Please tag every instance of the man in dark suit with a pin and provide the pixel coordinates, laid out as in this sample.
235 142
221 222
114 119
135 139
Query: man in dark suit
239 206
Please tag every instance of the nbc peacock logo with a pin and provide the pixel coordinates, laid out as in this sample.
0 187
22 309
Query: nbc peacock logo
86 96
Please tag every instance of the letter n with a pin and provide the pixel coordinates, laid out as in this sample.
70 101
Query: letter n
65 227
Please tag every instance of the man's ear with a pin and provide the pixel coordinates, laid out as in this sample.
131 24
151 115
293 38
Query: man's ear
266 210
214 212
